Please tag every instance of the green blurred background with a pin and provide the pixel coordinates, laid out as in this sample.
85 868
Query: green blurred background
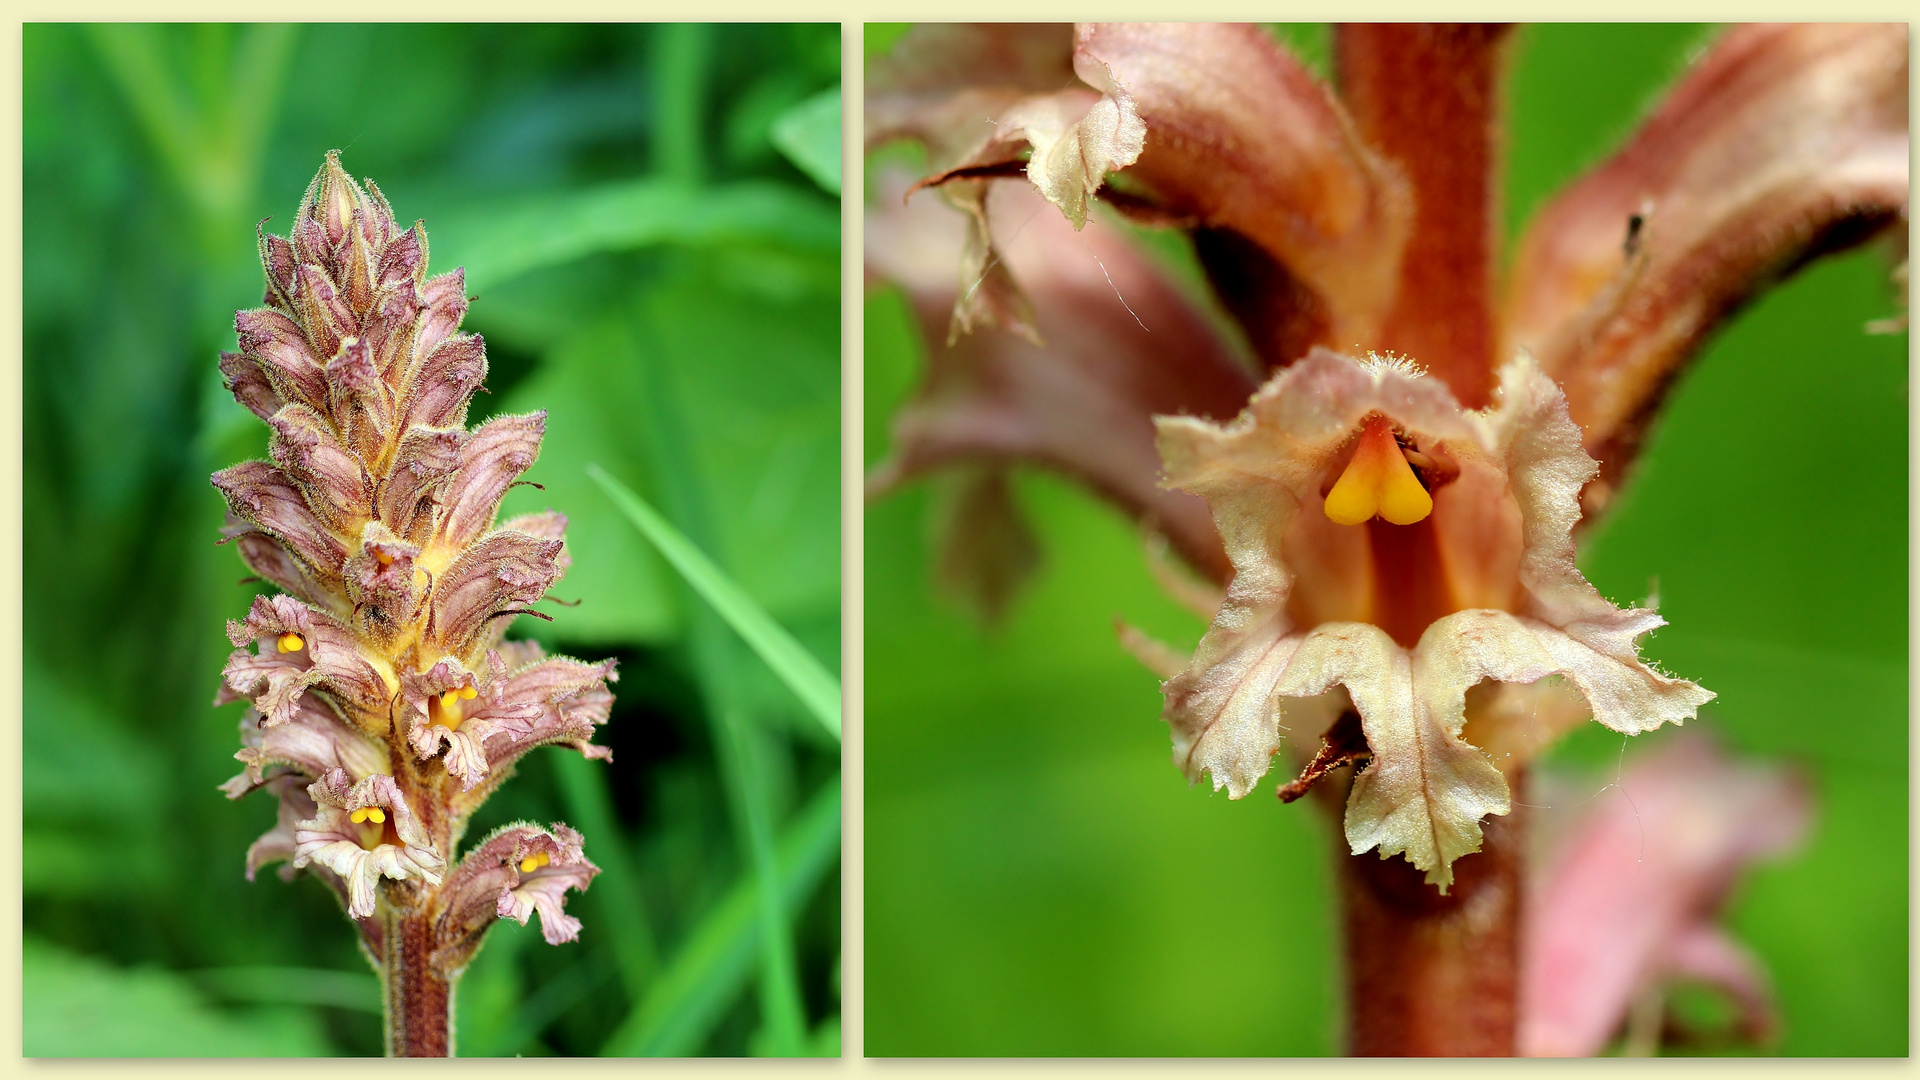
648 216
1041 881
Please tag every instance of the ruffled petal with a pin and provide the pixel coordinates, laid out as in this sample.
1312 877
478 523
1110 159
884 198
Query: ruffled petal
1426 789
979 97
329 658
333 840
315 741
544 889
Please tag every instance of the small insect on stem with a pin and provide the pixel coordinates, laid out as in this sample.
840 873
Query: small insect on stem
1636 224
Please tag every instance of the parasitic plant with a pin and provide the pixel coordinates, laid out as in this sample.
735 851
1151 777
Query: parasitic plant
383 704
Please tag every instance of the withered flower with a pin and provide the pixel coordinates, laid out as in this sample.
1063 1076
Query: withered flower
384 705
1389 520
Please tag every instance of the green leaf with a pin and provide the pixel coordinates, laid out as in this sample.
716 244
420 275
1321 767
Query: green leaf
586 387
809 135
78 1006
701 982
796 667
272 985
497 242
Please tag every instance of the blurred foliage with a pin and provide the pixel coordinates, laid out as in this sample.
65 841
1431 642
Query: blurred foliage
1039 879
639 245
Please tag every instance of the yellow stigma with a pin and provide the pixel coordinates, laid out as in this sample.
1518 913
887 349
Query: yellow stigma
383 558
292 642
468 693
366 814
1378 481
444 709
534 862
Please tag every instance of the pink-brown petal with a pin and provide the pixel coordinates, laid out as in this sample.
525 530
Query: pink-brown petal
1083 403
1243 141
1636 880
1784 142
490 461
503 571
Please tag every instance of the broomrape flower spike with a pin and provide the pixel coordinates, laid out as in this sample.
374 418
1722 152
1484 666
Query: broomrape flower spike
384 704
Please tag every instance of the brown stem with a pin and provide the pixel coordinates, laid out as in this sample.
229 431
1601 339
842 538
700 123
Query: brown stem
1431 975
1427 96
419 998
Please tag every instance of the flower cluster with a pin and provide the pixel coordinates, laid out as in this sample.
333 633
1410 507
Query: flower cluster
383 704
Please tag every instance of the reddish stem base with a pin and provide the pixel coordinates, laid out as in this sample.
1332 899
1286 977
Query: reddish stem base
1432 975
419 1001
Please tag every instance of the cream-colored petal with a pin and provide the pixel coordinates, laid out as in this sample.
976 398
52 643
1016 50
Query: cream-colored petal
1624 693
1224 717
1426 789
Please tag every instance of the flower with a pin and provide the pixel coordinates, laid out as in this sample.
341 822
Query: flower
364 831
1463 577
1628 898
517 870
1391 534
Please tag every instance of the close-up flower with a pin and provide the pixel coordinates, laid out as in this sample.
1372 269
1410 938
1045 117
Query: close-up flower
1271 314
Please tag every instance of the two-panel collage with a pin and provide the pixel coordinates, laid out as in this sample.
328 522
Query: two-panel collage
964 541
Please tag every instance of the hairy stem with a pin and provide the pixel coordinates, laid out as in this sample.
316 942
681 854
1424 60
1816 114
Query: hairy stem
1431 975
419 998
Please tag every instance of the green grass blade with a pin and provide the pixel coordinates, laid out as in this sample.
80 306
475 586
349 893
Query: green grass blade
809 135
818 690
701 982
502 239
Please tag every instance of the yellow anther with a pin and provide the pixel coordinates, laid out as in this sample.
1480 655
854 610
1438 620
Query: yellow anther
468 693
376 815
1378 481
449 699
292 642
